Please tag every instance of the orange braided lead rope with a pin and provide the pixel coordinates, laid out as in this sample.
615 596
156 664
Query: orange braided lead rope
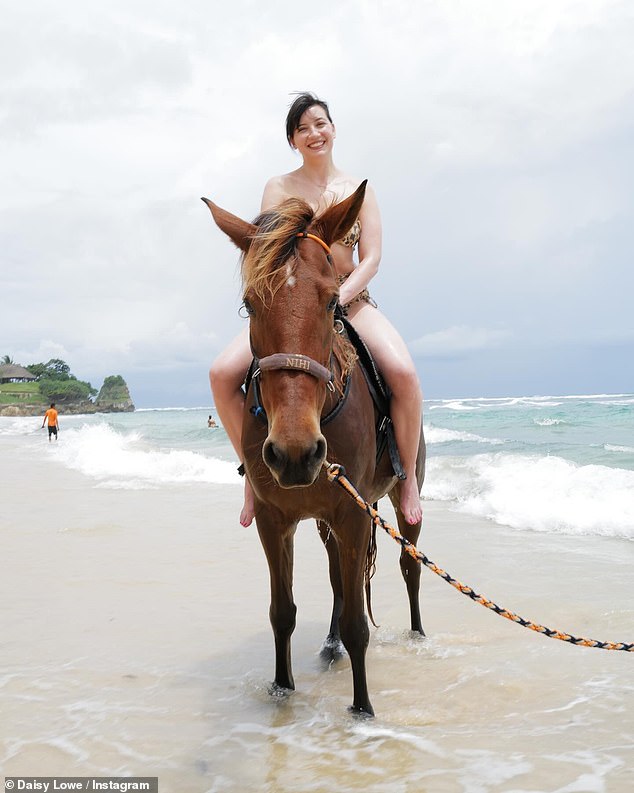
336 473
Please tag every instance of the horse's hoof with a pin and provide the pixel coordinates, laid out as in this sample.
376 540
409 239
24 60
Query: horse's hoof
362 713
279 692
331 650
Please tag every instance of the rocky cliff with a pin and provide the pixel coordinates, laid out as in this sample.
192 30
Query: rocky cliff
114 396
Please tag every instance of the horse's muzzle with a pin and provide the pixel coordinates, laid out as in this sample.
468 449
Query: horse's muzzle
296 467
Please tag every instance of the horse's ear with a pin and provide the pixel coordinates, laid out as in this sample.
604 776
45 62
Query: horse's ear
239 231
337 221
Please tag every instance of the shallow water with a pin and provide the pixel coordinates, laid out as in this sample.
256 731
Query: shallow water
136 641
135 634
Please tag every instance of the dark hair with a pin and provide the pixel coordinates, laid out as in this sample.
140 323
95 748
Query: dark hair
299 106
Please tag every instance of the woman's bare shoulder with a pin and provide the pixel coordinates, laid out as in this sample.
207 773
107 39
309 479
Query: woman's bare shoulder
277 189
350 183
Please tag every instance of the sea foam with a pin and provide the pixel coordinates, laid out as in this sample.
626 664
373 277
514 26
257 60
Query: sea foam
28 425
443 435
544 493
611 447
124 460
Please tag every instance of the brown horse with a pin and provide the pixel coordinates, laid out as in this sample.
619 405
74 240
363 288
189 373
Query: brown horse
311 400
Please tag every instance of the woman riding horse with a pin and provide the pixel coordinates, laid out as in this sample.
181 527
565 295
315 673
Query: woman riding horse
310 131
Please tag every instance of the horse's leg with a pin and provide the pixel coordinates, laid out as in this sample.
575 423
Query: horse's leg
277 538
410 568
332 647
353 542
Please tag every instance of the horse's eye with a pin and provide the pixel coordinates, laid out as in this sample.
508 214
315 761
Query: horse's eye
248 307
333 303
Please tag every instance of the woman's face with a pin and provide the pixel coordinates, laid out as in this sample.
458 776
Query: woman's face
315 134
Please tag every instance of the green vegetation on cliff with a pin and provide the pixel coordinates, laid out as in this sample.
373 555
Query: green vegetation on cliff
21 394
53 382
58 384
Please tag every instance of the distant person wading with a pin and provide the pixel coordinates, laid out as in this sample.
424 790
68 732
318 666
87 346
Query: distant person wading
53 424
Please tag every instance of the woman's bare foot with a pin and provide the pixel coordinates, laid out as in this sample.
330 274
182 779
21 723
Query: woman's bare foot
248 508
410 500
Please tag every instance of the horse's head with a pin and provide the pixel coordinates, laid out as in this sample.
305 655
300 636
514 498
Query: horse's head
290 294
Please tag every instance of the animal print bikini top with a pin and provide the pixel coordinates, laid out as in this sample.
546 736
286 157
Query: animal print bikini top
352 237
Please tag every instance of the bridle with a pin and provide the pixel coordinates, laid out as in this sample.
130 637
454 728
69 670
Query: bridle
297 361
307 236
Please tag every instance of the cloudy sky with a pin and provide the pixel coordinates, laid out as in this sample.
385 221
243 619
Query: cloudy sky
498 135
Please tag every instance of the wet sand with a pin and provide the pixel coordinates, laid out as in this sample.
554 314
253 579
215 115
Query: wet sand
135 641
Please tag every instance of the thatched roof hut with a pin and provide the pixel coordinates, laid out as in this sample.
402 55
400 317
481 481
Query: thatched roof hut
11 372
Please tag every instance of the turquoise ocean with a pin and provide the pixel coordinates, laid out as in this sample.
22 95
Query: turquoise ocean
560 464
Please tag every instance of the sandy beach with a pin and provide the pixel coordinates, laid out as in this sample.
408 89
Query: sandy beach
135 641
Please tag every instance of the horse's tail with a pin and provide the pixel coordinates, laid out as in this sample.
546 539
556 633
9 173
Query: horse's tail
370 570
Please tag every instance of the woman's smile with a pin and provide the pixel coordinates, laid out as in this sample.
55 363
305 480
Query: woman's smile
315 131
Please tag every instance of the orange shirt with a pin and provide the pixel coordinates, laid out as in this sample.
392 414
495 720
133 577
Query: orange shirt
51 415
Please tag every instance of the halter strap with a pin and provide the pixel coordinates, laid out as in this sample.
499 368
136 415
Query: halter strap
307 236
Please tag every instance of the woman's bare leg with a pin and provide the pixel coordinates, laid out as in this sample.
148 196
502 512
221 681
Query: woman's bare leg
225 377
395 362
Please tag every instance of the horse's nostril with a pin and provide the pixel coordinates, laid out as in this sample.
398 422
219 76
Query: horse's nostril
272 456
319 452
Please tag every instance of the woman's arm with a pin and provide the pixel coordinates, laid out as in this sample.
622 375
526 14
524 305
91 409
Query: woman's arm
369 249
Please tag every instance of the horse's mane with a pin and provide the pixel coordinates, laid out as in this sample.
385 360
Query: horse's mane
273 244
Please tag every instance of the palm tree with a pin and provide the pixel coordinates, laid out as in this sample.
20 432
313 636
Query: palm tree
7 359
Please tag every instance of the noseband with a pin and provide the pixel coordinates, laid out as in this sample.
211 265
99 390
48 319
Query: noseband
301 363
297 361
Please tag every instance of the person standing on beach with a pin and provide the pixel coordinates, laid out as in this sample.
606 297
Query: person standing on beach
320 183
53 424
